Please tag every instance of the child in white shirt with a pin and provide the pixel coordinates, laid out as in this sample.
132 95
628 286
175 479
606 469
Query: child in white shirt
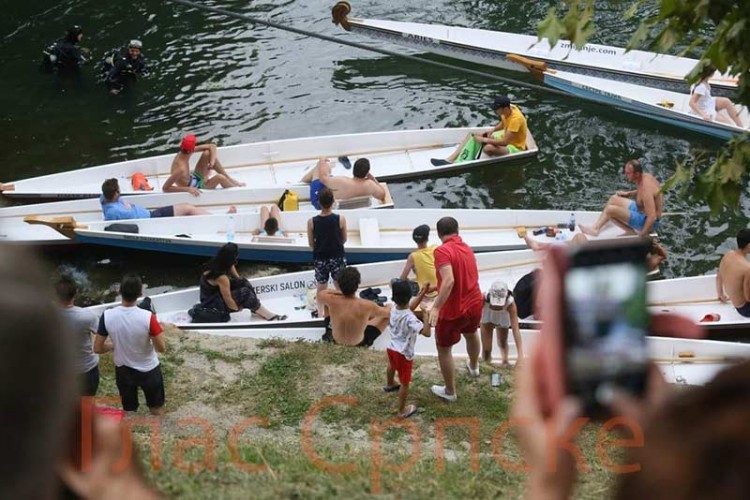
404 326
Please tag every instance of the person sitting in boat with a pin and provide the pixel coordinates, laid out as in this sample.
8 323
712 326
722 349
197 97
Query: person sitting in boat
363 183
733 278
352 320
182 180
222 288
66 54
422 263
115 208
708 107
269 221
499 314
124 69
509 136
640 216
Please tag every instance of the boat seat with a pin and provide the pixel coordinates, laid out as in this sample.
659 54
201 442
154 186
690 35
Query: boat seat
357 202
264 238
369 232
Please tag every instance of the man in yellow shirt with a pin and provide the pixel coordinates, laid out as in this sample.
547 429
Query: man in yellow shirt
422 262
508 137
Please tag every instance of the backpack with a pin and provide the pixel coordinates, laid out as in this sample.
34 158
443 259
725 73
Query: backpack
200 314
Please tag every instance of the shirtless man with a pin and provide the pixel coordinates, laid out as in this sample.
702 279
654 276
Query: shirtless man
734 275
353 321
182 180
639 216
362 184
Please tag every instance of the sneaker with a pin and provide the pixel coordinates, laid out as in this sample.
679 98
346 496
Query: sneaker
439 391
439 162
474 372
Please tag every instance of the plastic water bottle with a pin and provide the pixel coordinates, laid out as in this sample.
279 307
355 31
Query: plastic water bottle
572 222
230 228
560 236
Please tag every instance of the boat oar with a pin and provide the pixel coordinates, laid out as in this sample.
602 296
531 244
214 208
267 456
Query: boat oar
65 225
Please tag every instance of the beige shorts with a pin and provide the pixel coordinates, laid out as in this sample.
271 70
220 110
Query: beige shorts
427 303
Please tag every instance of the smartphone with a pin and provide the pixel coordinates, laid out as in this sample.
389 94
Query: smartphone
605 321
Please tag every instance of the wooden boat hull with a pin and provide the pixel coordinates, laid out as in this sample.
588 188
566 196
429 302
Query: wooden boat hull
643 101
393 155
374 235
491 48
13 229
681 361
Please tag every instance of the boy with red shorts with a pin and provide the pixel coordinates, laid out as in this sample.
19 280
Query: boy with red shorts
404 329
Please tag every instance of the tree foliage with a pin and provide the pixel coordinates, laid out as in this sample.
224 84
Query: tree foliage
728 49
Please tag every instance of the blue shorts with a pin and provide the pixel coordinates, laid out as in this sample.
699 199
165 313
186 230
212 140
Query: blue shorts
638 219
167 211
325 268
315 187
744 310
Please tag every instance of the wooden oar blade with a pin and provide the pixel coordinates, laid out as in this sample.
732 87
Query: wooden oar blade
64 225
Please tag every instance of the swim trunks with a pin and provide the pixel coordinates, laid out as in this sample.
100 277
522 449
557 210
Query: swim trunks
371 334
638 219
744 310
167 211
196 180
448 331
325 268
315 187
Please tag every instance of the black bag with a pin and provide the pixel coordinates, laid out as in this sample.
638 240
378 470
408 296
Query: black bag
200 314
119 227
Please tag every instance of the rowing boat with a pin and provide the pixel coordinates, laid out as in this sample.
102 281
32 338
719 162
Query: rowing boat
292 294
491 48
13 229
393 155
681 361
657 104
373 235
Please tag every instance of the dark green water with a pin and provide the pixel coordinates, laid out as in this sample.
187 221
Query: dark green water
232 82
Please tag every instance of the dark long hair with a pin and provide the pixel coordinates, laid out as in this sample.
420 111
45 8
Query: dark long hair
225 258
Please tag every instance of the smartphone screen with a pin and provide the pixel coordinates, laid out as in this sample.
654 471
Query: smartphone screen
606 321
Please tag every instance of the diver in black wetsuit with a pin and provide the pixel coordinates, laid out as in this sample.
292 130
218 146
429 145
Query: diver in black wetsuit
125 69
66 54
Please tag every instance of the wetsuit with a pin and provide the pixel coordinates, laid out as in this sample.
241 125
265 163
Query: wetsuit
124 70
64 55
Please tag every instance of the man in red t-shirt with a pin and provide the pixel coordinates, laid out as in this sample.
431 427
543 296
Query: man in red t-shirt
458 306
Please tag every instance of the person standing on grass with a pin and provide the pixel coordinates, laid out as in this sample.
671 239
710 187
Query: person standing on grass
404 326
83 323
136 336
458 307
326 235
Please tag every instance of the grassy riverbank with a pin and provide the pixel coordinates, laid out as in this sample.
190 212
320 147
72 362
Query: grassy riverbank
241 421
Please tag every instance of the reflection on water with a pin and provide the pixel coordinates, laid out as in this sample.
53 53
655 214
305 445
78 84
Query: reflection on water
232 82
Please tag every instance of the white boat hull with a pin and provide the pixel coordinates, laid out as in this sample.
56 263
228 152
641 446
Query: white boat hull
393 155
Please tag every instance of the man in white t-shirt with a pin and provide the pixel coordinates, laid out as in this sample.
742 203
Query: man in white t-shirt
83 323
136 336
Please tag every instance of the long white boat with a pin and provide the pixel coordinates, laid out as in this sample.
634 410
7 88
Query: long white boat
373 235
293 294
13 229
681 361
394 155
661 105
491 48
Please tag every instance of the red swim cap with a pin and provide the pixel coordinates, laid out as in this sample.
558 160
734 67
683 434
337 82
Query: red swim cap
188 143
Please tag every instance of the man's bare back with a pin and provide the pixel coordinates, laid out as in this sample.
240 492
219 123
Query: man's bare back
351 315
344 188
649 189
734 276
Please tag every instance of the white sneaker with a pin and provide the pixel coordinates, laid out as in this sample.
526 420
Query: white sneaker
439 391
474 372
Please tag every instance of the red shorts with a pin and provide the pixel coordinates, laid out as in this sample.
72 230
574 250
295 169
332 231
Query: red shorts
448 331
403 366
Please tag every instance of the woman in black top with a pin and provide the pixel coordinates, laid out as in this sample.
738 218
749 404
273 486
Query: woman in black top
222 287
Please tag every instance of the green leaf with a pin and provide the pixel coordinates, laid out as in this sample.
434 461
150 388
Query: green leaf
682 175
667 8
631 10
640 35
731 192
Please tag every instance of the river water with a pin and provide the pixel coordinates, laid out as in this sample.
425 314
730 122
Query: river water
232 82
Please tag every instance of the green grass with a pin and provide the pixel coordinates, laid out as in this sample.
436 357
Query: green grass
281 382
